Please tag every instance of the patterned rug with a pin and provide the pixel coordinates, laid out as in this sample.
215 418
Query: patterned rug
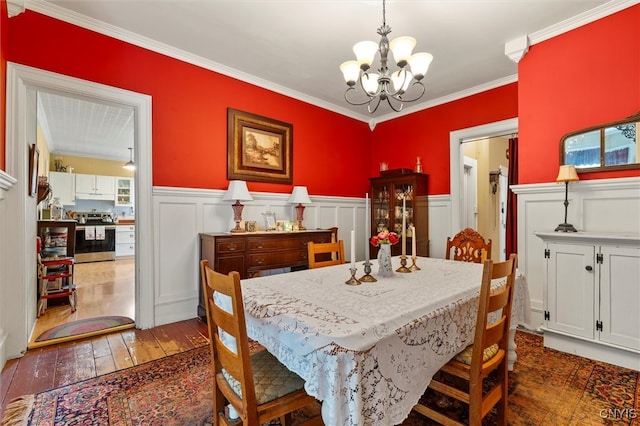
86 327
546 388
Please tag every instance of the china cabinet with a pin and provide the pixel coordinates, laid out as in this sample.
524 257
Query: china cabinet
591 295
393 192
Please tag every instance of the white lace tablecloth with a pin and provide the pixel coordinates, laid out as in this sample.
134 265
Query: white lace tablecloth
368 352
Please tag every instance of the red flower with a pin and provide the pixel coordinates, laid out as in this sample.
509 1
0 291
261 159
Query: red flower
384 237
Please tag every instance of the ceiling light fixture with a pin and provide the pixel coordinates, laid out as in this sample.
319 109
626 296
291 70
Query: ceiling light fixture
130 165
386 86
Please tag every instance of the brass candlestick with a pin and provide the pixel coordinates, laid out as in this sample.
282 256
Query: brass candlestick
403 264
353 280
413 266
367 277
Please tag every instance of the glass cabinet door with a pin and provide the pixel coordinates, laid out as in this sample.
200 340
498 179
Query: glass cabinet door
380 209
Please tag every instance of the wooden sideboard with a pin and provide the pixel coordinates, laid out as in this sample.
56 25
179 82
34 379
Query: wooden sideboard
252 252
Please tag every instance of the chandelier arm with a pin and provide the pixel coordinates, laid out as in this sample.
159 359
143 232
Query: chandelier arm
392 106
378 99
399 98
356 103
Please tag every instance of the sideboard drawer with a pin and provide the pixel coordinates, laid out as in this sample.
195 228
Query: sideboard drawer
281 242
228 245
272 260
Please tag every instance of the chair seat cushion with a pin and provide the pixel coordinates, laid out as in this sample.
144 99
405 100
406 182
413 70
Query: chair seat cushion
465 356
272 380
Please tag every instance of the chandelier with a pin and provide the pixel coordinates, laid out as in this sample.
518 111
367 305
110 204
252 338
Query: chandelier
384 85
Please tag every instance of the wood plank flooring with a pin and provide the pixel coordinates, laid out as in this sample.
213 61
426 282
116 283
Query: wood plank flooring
103 288
58 365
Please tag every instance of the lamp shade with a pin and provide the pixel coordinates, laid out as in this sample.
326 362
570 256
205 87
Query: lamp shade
567 173
237 191
299 195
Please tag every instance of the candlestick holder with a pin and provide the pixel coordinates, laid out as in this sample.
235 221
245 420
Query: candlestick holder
367 277
413 266
353 280
403 265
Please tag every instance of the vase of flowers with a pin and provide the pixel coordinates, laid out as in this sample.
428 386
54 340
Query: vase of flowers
384 240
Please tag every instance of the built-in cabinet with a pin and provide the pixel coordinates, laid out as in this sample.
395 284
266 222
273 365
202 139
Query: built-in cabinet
63 186
125 241
592 294
392 192
95 187
124 191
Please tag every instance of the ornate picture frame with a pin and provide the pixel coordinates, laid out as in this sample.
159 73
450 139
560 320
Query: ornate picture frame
259 149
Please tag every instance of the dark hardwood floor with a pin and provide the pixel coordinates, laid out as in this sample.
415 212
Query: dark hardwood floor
57 365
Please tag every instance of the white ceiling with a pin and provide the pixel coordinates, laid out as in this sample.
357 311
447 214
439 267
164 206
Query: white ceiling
295 47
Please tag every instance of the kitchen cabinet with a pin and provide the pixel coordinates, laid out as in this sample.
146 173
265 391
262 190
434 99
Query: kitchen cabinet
95 187
252 252
124 191
63 186
125 241
592 294
387 193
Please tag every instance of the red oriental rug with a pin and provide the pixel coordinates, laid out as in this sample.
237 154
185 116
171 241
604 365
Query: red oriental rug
547 387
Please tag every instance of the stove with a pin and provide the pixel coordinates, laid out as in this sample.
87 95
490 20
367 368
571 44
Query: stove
95 237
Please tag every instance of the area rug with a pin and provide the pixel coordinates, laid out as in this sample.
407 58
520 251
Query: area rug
547 387
86 327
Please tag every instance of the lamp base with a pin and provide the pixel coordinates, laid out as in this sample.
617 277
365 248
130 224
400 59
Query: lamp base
566 227
237 229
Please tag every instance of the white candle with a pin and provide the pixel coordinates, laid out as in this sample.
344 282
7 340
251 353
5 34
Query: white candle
353 249
367 227
413 241
404 225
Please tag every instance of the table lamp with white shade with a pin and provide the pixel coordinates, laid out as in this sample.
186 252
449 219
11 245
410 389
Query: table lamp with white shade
566 174
237 191
299 195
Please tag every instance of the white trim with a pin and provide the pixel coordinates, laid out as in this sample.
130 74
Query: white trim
456 163
6 183
21 216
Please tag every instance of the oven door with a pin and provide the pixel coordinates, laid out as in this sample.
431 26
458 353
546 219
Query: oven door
94 245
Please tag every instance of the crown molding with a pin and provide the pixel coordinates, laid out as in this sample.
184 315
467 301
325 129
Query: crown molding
15 7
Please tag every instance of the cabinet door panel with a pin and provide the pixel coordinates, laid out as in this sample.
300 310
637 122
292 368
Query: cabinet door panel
571 289
620 296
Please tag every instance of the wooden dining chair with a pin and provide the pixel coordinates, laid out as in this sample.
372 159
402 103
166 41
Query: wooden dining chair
325 254
488 353
258 386
468 246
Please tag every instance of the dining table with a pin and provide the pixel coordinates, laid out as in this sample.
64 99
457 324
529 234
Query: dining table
369 351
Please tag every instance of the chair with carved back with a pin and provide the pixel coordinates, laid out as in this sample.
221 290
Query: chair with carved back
257 386
488 353
325 254
468 246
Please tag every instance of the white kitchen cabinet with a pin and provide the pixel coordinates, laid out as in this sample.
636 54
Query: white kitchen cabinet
592 295
95 187
124 191
125 240
63 186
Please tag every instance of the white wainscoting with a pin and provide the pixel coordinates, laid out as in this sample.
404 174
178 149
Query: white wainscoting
181 214
604 205
6 183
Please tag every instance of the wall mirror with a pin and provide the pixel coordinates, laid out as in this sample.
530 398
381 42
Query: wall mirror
610 146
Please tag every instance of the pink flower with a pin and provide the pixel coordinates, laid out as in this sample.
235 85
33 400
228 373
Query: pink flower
384 237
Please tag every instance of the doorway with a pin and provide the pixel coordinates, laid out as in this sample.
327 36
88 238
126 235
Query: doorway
457 176
19 303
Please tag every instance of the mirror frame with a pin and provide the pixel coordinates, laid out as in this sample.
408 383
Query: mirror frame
631 119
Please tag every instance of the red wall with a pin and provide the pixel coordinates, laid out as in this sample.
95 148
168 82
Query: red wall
3 79
425 134
330 151
582 78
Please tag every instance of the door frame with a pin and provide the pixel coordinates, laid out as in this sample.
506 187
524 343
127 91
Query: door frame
18 301
457 164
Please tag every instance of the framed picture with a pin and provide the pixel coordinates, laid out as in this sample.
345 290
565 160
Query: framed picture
269 221
259 149
34 156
